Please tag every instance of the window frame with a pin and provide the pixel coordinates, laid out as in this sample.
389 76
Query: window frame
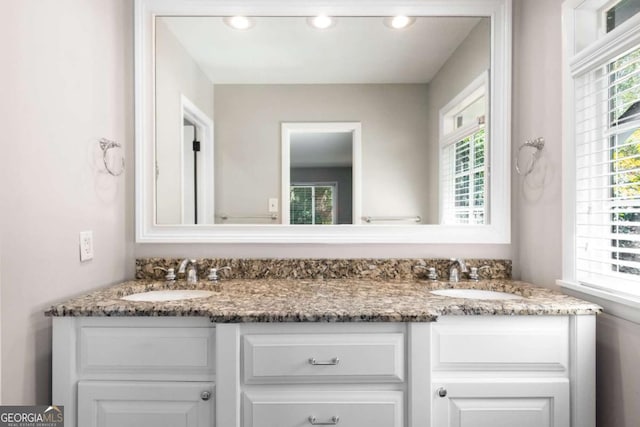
478 88
586 46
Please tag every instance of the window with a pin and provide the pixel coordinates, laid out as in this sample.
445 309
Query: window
607 136
463 145
602 201
620 12
313 203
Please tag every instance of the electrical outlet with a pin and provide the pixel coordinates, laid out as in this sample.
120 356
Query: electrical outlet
86 245
273 205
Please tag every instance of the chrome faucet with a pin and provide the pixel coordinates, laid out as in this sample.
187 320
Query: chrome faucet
454 274
192 272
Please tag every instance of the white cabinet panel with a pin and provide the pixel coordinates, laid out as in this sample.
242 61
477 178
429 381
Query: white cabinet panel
501 343
135 353
517 404
353 409
313 358
145 404
501 412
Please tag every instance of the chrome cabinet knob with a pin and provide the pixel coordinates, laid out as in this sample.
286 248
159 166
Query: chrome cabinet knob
442 392
205 395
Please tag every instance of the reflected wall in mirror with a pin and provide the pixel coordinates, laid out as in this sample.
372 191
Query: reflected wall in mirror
419 96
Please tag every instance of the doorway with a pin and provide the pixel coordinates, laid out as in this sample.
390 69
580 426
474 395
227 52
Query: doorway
321 169
197 166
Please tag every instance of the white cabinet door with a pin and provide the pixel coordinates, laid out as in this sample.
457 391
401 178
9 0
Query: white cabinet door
145 404
501 404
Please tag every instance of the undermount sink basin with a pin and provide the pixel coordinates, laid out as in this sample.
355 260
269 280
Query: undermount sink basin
168 295
475 294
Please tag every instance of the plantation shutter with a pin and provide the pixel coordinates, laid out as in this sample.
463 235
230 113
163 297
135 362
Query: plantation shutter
463 176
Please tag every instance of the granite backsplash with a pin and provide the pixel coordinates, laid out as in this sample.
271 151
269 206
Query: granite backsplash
360 268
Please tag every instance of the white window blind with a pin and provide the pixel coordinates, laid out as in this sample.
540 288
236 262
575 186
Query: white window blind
607 136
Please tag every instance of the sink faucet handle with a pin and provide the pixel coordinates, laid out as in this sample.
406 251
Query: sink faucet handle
171 273
474 274
213 272
431 272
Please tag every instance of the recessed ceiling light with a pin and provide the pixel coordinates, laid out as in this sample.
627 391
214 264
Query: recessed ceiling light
321 22
239 22
399 22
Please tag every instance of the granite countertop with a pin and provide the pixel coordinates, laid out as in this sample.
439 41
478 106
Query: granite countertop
334 300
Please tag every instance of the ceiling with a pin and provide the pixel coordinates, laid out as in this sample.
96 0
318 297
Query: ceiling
326 149
286 50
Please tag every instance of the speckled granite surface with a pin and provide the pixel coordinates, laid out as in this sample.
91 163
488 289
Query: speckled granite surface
379 269
336 300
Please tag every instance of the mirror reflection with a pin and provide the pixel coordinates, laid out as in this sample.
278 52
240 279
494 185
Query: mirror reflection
272 120
321 178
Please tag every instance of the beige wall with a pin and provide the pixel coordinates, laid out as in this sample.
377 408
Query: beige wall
177 74
470 60
65 80
394 155
618 372
537 111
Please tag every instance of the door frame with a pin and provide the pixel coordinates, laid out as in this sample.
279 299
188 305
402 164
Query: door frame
206 193
289 128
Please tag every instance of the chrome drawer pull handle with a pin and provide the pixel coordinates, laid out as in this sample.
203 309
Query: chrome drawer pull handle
313 361
334 420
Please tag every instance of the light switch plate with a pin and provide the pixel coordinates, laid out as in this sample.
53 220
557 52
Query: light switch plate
86 245
273 205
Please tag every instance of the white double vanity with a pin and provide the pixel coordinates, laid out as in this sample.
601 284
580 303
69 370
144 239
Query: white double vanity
462 371
268 352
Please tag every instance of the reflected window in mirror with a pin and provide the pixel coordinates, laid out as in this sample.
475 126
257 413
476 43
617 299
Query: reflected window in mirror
321 172
314 204
463 153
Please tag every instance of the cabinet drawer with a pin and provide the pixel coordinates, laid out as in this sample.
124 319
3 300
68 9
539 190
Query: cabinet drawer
353 409
294 358
146 353
522 343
